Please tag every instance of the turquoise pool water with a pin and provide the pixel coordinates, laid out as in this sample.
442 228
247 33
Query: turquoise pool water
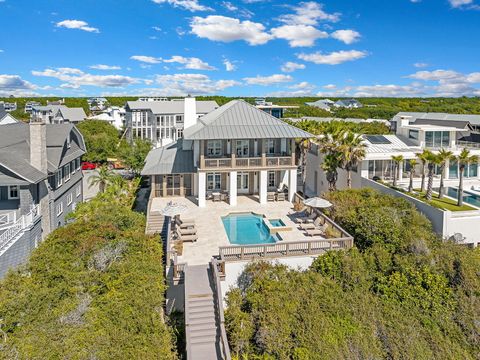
277 222
247 229
468 197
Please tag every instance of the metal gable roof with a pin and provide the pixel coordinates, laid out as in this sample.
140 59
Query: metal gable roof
169 159
240 120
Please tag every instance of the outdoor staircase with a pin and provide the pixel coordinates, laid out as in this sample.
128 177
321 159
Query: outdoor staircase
201 329
156 224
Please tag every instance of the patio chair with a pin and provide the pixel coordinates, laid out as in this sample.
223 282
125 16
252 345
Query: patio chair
187 231
188 238
217 197
305 219
310 226
270 196
224 196
319 231
281 196
185 223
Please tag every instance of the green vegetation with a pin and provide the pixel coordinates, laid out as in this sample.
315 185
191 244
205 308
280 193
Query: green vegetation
101 139
441 202
318 128
399 294
92 290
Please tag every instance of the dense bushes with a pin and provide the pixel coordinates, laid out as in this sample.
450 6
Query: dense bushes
400 294
92 290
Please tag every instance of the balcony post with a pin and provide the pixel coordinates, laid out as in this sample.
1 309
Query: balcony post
262 151
292 150
233 188
234 160
202 154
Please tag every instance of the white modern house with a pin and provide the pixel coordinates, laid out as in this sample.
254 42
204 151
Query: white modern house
234 150
348 104
163 121
323 104
413 135
114 115
97 103
5 117
9 106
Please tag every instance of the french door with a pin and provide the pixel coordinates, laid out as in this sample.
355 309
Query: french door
242 182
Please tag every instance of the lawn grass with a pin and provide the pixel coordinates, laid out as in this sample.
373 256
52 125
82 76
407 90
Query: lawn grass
444 203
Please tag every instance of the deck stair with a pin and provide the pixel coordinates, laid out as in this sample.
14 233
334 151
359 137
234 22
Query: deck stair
156 224
202 332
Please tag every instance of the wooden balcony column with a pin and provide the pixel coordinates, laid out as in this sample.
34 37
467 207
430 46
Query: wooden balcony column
234 160
202 154
292 145
262 149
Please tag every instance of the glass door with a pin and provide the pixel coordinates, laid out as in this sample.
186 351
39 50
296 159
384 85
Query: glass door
242 183
242 148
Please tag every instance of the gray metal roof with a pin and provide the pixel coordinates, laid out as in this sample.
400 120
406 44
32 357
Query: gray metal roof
472 119
171 107
458 124
72 114
52 108
15 149
240 120
169 159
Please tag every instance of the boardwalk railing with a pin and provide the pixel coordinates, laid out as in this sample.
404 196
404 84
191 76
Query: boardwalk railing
8 219
219 304
7 237
283 249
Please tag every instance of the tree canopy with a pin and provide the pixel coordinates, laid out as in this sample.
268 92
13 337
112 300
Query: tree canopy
101 139
399 294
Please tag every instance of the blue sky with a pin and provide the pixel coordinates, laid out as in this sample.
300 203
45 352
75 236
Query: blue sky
240 48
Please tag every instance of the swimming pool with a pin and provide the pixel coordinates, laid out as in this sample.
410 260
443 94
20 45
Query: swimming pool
276 222
468 197
247 229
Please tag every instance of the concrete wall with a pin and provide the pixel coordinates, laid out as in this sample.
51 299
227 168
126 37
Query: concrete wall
233 270
19 252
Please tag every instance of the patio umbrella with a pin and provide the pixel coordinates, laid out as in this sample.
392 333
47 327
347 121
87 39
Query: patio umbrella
317 202
173 209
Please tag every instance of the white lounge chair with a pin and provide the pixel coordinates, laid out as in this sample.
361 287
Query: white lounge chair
318 231
190 238
281 196
185 223
186 231
310 226
305 219
270 196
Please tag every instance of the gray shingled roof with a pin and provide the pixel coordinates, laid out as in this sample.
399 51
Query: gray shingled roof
169 159
15 149
240 120
171 107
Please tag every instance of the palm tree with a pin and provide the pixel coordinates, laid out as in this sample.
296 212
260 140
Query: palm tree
329 144
432 160
463 160
102 179
397 160
443 156
423 159
331 163
412 163
353 151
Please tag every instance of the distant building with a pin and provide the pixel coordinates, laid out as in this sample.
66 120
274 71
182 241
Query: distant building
56 102
152 99
9 106
348 104
114 115
324 104
97 103
162 122
5 117
29 105
58 114
270 108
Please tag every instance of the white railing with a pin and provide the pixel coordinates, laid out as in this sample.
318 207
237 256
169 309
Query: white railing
468 144
8 219
21 224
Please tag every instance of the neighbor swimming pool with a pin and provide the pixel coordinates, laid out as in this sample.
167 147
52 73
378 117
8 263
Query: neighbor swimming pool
247 229
468 197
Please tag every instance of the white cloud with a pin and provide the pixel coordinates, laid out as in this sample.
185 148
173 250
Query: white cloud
450 83
333 58
105 67
227 29
420 65
229 6
330 86
190 63
435 75
388 91
190 5
195 84
146 59
309 13
157 28
74 78
229 66
290 66
460 3
299 35
1 51
15 85
347 36
77 24
304 85
268 80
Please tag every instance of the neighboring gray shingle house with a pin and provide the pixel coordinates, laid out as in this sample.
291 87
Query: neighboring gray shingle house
5 117
40 183
324 104
162 121
58 114
236 149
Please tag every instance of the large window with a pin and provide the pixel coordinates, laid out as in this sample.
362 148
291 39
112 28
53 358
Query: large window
79 190
382 169
67 172
214 147
471 170
13 192
242 148
59 209
270 146
69 198
214 181
413 134
453 169
58 177
437 139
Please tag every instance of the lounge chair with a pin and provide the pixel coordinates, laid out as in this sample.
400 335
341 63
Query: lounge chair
319 231
185 223
270 196
191 238
305 219
217 196
186 231
281 196
310 226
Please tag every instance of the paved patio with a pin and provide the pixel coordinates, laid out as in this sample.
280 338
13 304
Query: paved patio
210 229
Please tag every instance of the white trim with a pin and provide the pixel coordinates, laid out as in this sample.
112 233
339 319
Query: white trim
9 192
67 174
79 191
59 177
59 209
69 199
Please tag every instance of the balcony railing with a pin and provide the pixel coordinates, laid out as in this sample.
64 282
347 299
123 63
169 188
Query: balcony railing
9 235
247 162
468 144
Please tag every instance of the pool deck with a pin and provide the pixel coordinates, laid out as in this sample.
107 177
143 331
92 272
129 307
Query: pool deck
210 229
